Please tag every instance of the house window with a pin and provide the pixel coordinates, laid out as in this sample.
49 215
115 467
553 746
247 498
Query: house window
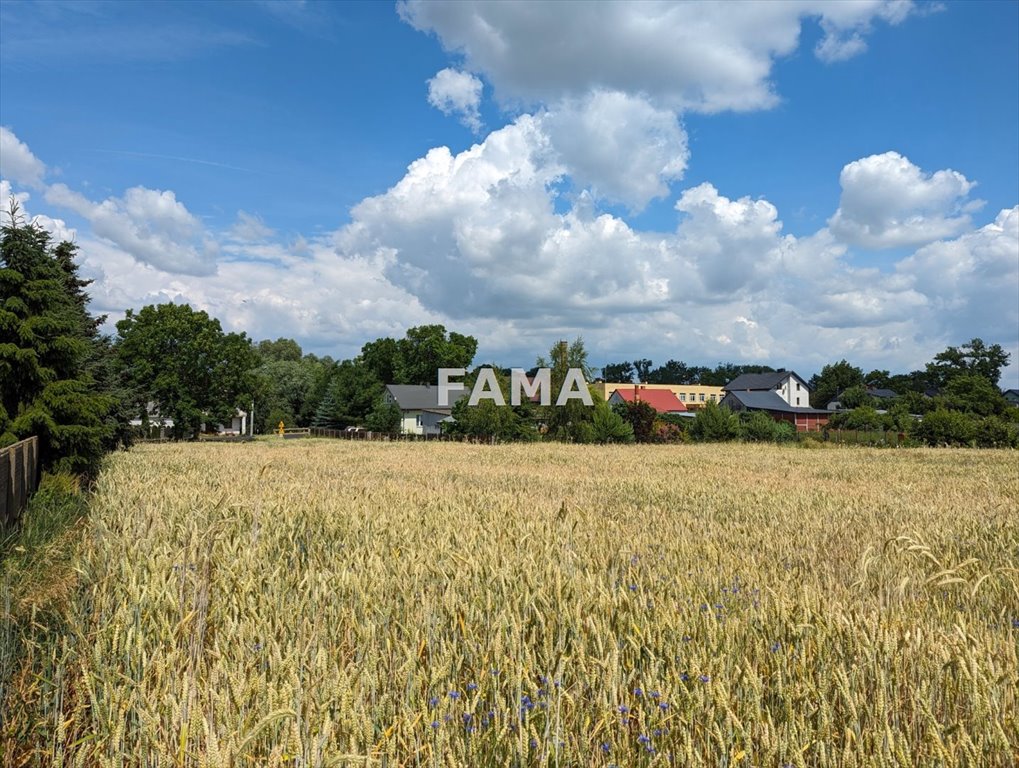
682 397
797 386
712 398
797 399
702 397
417 419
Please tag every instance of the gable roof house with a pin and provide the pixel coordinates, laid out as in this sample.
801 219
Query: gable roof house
662 400
420 412
1012 396
782 395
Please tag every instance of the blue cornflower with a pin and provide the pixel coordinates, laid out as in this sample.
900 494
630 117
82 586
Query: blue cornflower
605 748
657 732
1015 623
655 694
642 739
472 686
623 709
704 606
633 587
466 717
433 702
684 677
663 706
776 647
705 678
557 683
534 743
454 694
687 638
638 692
493 671
435 723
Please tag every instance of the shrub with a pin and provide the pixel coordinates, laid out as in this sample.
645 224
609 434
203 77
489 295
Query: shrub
759 428
943 427
714 424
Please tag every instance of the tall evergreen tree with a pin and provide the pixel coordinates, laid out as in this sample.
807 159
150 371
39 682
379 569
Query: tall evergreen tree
49 348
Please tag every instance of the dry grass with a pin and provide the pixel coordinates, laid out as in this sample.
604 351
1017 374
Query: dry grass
326 603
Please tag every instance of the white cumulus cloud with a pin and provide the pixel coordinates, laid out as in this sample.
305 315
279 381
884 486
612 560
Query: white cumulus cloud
889 202
680 55
619 146
150 224
457 93
17 161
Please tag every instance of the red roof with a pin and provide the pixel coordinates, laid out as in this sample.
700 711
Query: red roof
662 400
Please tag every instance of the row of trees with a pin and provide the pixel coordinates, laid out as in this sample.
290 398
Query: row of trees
676 372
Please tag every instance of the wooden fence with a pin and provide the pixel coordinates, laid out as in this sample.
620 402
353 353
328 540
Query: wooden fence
19 477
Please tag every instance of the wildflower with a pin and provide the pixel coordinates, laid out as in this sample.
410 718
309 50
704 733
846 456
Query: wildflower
493 671
433 702
605 748
663 706
704 606
534 743
686 639
776 647
466 717
642 739
638 692
454 694
623 709
633 587
1015 623
684 677
435 723
705 678
472 686
657 732
655 694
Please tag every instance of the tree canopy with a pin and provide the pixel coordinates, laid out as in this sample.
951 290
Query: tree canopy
182 361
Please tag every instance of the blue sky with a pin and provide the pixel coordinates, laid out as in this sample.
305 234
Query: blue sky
783 183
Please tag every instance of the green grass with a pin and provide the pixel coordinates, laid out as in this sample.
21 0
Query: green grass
37 579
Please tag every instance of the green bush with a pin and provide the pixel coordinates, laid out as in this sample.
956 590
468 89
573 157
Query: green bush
943 427
996 432
759 428
714 424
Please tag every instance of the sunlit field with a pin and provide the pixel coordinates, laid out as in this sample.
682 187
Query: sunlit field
325 603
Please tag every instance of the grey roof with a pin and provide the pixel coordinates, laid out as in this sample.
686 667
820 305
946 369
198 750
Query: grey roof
422 397
769 401
885 393
759 380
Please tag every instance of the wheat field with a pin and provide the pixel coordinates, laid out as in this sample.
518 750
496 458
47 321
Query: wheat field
324 603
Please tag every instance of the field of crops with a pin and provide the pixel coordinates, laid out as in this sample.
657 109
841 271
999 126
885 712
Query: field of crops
324 603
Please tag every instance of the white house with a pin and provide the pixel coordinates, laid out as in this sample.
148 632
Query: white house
786 384
420 413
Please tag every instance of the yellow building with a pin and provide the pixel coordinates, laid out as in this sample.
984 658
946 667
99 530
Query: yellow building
693 396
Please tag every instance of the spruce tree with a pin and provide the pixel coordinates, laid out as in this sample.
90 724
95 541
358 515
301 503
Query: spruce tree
47 340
